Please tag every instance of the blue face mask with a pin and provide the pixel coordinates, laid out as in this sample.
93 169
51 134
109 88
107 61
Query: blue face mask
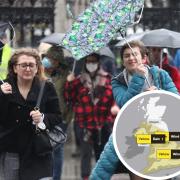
46 62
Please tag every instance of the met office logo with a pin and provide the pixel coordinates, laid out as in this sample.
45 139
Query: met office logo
146 135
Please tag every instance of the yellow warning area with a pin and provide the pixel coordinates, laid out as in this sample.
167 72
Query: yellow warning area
143 138
163 154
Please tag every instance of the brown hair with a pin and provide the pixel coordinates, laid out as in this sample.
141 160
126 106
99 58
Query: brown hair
140 44
28 52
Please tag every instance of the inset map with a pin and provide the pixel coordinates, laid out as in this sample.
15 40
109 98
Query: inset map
146 135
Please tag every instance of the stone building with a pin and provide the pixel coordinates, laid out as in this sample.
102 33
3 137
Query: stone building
34 19
63 20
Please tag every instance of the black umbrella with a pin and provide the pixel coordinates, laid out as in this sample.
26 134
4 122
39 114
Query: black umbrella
131 37
105 51
162 38
53 39
156 38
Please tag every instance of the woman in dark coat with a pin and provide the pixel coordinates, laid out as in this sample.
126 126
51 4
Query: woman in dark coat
18 97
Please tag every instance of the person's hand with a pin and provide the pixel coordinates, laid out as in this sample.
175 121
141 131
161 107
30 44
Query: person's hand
6 88
70 77
151 88
114 110
36 116
141 69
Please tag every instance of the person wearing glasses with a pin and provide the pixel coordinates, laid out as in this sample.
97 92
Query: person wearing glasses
90 94
18 97
57 69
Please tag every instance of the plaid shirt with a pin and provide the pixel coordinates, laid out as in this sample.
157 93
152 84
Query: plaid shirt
88 114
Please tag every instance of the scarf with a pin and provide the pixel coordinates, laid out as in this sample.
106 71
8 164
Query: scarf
149 78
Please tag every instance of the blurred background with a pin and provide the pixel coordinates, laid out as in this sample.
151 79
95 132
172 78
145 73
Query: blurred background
35 19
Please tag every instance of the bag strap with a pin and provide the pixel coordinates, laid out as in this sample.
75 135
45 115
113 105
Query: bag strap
37 107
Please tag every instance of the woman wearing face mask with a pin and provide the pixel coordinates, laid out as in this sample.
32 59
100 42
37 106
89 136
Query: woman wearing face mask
57 69
91 97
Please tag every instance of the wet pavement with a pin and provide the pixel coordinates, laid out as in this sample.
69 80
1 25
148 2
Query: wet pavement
71 167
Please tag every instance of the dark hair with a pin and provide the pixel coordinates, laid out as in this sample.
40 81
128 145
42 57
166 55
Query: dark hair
140 44
28 52
96 55
56 53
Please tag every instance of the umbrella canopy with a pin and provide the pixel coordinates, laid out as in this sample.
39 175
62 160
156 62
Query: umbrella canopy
156 38
98 24
106 52
3 27
136 36
53 39
162 38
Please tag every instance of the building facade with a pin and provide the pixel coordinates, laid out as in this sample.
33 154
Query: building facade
34 19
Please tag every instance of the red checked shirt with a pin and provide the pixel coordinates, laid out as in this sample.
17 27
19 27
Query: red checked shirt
91 105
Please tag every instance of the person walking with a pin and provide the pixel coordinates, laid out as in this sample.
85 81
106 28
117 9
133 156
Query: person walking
19 119
5 55
129 83
57 69
158 58
91 97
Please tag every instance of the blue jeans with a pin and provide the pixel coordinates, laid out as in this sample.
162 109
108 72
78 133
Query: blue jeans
58 157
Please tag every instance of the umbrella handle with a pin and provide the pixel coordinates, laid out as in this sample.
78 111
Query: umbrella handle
74 66
147 82
137 22
68 8
161 60
14 34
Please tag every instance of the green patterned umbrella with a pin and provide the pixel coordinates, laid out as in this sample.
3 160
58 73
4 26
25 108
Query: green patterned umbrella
98 24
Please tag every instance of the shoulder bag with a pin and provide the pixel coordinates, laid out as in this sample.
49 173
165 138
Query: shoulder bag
46 140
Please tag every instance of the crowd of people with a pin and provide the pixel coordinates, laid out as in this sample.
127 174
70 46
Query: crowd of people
91 99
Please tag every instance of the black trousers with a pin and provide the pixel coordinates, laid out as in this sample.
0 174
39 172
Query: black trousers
95 142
